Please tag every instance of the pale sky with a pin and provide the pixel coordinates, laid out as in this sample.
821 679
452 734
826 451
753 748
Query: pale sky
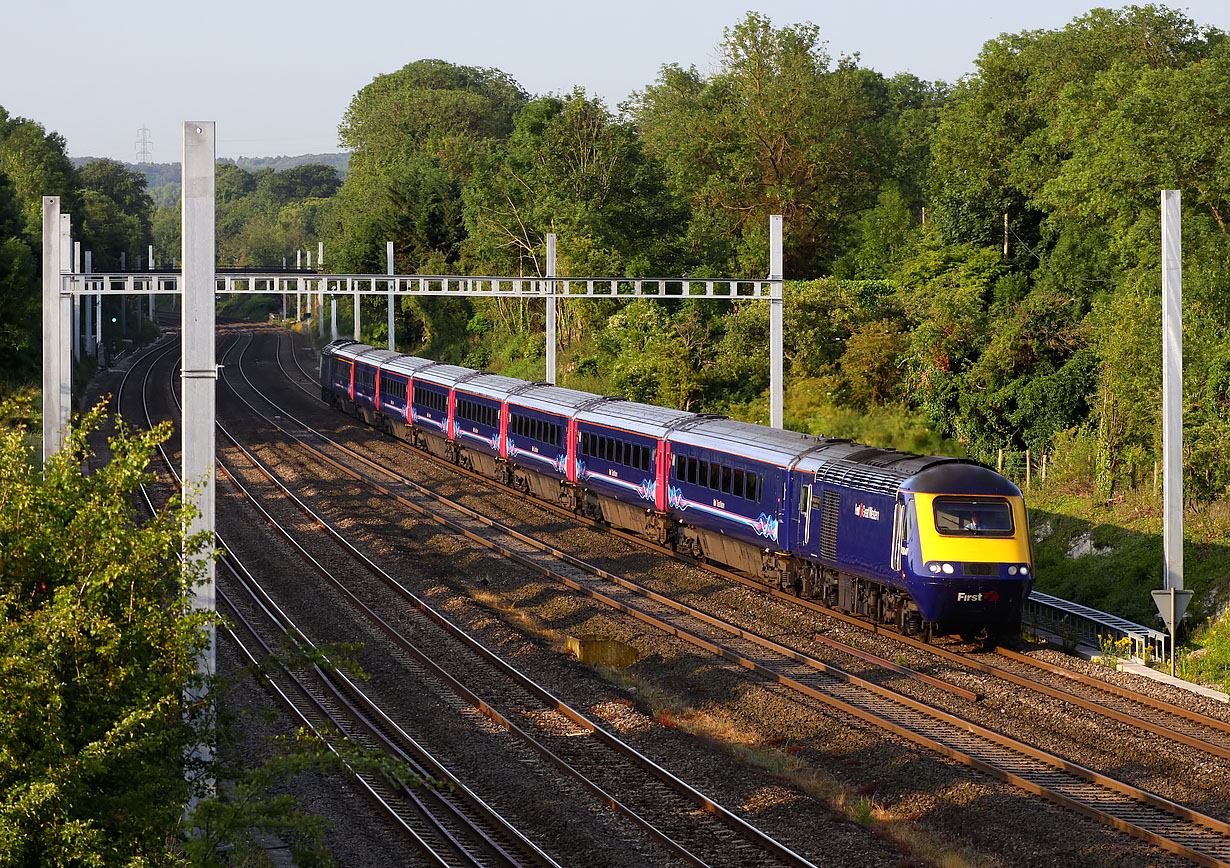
277 77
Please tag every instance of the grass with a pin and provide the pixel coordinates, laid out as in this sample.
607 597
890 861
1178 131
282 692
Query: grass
1207 660
1129 529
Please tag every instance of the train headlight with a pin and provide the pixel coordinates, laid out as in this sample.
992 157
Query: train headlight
935 568
1012 571
947 568
1024 571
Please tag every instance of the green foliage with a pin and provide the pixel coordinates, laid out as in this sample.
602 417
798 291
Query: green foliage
774 131
19 308
1208 660
416 134
572 168
97 645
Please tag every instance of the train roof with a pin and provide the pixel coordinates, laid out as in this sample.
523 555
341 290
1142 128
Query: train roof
377 357
552 399
758 442
408 365
495 387
445 376
955 476
345 349
646 419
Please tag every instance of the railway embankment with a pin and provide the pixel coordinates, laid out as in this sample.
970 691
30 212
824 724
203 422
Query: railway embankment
1107 553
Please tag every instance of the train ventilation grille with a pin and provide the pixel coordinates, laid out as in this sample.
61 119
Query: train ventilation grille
982 569
830 515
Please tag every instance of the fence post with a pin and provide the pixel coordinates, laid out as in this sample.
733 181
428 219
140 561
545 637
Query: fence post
1000 463
1028 468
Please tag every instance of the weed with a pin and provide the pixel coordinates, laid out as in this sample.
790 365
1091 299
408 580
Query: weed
1113 650
863 810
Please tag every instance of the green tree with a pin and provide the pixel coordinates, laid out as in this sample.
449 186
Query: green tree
97 645
774 131
19 306
415 135
37 165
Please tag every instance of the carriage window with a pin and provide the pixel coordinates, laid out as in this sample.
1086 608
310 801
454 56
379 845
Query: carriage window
692 470
679 467
753 486
970 516
726 479
739 489
703 477
714 476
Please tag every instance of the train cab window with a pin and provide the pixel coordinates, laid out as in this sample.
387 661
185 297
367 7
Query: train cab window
973 516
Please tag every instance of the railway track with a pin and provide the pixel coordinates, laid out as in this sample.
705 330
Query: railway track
1202 839
447 822
663 805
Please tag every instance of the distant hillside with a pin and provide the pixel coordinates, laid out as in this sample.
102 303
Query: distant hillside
160 174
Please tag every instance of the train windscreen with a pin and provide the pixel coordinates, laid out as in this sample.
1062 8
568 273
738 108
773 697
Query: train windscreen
973 516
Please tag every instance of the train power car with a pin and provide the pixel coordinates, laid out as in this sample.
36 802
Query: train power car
926 543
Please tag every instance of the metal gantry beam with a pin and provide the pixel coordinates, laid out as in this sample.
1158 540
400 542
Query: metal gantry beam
550 287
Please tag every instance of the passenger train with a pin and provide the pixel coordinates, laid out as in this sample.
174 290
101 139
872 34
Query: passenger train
932 545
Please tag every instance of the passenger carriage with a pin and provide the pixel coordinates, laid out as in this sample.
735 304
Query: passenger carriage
431 407
395 390
537 442
479 422
728 490
620 449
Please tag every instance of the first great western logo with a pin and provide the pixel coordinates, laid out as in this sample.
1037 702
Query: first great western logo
869 512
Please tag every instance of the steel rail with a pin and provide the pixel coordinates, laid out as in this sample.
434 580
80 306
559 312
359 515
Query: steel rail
760 839
381 799
432 824
1208 832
